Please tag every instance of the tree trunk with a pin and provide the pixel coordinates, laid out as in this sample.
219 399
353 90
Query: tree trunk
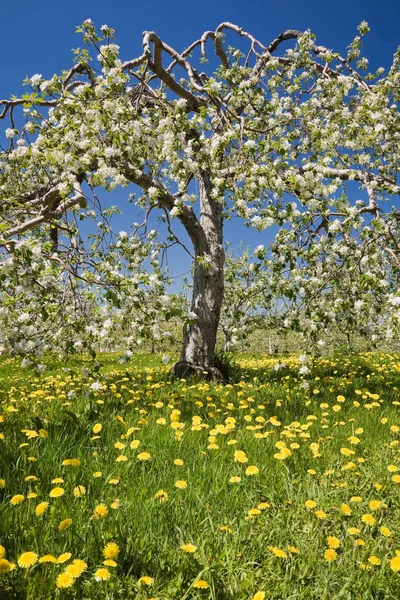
200 335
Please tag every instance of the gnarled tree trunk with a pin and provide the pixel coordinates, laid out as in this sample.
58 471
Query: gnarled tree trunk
200 335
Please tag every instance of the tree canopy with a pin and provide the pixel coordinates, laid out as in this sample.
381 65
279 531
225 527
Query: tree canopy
292 136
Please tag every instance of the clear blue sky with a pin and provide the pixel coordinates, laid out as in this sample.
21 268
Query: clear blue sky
37 37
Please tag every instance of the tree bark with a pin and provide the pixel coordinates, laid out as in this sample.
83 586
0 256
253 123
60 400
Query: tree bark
200 335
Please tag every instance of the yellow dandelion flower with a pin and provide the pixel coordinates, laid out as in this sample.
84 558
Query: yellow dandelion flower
396 478
2 484
100 512
121 458
356 499
277 551
27 559
57 492
375 504
353 531
65 580
330 555
252 470
110 563
235 479
71 462
97 428
385 531
134 444
111 550
64 524
181 484
359 542
190 548
6 566
240 456
146 580
200 584
368 519
102 575
57 480
41 508
259 596
17 499
97 474
374 560
310 504
321 515
64 557
79 491
143 456
345 509
76 568
333 542
178 462
395 562
2 551
47 558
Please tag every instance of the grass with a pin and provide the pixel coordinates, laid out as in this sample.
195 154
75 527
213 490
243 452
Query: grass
330 437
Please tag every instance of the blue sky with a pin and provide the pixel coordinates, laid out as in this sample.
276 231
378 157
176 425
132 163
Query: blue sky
37 37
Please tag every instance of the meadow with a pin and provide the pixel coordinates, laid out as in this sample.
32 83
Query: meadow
278 486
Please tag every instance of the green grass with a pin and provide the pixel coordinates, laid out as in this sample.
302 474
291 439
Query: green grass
266 408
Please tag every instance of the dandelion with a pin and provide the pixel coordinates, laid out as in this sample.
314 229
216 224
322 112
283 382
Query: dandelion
143 456
76 568
122 458
6 566
310 504
353 531
200 584
41 508
368 519
374 560
395 562
57 492
79 491
385 531
47 558
71 462
252 470
64 557
65 580
375 504
321 515
235 479
102 575
333 542
111 550
190 548
259 596
17 499
27 559
100 512
330 555
146 580
2 551
161 495
97 474
97 428
181 484
178 462
65 523
345 509
240 456
2 484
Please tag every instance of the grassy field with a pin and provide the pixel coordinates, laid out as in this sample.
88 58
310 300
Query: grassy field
132 485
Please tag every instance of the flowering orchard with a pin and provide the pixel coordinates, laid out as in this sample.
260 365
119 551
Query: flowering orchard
303 139
285 484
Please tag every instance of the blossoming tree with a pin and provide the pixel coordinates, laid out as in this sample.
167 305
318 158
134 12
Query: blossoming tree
303 138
